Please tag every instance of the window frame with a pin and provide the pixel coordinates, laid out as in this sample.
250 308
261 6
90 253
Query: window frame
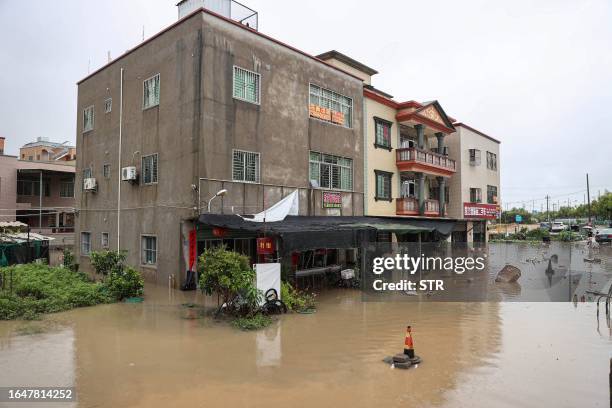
105 174
478 194
143 237
491 161
321 163
142 166
88 233
382 122
489 189
477 157
144 107
106 244
258 85
383 174
108 105
93 118
90 170
338 94
62 183
258 172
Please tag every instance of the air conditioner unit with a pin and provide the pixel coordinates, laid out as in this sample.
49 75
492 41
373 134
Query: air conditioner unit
129 173
90 184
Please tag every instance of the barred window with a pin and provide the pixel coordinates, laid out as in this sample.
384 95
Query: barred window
383 185
475 195
491 161
149 169
246 85
331 172
104 240
383 133
106 171
85 243
331 106
67 188
108 105
88 119
150 93
475 157
86 175
149 250
492 194
245 166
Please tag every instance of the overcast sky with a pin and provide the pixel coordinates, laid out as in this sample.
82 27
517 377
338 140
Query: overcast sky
536 75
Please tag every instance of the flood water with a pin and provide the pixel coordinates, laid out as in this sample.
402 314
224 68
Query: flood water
154 354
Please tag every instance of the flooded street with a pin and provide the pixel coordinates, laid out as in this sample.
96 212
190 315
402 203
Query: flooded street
474 355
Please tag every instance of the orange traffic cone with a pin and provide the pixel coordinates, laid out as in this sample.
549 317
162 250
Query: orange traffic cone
408 343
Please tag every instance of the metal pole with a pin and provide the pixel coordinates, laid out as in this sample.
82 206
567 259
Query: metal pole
40 193
119 164
588 198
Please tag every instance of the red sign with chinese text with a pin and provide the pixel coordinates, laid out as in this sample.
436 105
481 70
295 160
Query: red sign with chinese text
481 211
332 200
265 246
193 248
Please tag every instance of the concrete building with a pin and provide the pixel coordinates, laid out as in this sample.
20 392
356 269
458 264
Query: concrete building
210 104
42 150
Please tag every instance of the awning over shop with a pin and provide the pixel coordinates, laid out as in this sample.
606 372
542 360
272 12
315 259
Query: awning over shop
302 232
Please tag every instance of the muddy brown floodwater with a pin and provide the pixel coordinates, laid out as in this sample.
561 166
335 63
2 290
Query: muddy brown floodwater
474 355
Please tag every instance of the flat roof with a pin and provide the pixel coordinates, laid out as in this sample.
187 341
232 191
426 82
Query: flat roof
235 23
333 54
460 124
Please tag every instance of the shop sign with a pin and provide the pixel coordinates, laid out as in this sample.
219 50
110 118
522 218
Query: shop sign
326 114
265 246
332 200
219 232
481 211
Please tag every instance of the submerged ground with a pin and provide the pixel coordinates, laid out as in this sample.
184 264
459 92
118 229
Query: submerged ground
155 354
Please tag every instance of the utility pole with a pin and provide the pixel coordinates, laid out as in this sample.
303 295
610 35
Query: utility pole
588 199
547 211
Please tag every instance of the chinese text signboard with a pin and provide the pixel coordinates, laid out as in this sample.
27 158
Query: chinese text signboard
326 114
480 211
332 200
265 246
193 248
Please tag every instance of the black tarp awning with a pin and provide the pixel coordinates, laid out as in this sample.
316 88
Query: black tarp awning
304 232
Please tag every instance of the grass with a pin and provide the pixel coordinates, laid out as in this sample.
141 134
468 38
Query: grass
255 322
38 289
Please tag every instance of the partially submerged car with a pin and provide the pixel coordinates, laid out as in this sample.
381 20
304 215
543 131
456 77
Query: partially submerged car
603 235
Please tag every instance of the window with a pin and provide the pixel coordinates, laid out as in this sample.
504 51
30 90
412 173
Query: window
331 172
88 119
331 106
246 85
475 157
491 161
475 195
150 92
149 169
149 250
31 187
383 185
85 243
108 105
383 133
67 188
106 171
104 240
86 175
492 194
245 166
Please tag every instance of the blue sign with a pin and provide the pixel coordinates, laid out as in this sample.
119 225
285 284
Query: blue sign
518 218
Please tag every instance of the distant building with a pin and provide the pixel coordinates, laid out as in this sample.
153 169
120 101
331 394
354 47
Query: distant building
42 150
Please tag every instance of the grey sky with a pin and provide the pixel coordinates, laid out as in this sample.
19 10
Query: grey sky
535 74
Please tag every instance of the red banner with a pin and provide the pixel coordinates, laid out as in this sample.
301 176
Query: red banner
265 246
481 211
193 248
332 200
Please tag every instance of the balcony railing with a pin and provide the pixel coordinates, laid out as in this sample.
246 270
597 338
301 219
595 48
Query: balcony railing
426 157
410 206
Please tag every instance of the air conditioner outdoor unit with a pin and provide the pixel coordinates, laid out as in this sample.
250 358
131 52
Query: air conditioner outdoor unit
128 173
90 184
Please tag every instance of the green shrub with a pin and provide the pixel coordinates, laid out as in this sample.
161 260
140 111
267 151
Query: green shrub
105 262
125 283
296 300
254 322
228 273
69 261
537 234
567 236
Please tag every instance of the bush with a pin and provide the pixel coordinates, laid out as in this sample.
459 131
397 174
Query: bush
228 273
537 234
125 283
105 262
254 322
41 289
567 236
295 300
69 261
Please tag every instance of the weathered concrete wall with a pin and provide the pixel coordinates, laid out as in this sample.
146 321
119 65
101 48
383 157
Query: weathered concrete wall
194 129
8 187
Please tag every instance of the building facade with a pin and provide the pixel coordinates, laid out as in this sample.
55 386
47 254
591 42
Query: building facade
42 150
210 105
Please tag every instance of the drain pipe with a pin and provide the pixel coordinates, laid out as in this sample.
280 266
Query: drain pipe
119 164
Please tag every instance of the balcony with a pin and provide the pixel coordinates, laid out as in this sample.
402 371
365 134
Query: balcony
410 206
424 161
